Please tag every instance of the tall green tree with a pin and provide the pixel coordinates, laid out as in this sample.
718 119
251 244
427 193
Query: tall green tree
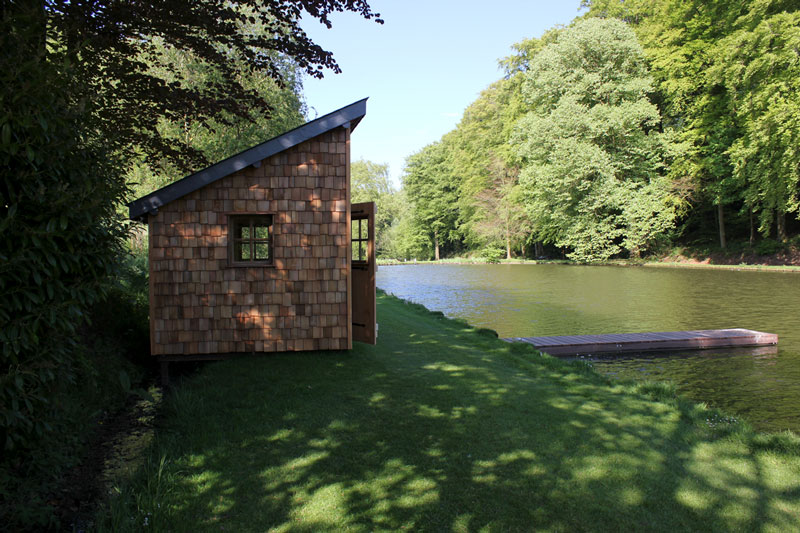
504 218
433 192
760 67
594 155
479 142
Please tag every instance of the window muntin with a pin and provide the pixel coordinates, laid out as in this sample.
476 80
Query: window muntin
251 239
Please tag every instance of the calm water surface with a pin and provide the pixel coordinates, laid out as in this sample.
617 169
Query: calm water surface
763 385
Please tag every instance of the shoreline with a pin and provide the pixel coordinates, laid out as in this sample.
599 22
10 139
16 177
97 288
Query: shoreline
619 263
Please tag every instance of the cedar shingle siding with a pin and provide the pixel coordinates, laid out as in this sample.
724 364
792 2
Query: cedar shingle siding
202 305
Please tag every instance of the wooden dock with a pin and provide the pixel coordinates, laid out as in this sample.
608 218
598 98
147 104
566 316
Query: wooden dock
572 345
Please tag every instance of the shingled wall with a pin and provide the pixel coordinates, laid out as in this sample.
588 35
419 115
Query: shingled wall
201 305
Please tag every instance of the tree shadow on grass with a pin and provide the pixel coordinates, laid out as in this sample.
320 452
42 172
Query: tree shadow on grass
440 428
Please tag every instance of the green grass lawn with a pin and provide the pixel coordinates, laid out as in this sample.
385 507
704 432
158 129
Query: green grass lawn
444 428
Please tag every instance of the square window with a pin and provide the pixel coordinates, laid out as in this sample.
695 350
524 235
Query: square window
251 240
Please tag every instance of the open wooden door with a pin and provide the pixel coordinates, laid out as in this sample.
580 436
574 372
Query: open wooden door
362 254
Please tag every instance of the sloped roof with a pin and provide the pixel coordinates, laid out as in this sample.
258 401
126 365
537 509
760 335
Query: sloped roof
349 115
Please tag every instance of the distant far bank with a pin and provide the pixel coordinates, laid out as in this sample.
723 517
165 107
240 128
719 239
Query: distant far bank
784 261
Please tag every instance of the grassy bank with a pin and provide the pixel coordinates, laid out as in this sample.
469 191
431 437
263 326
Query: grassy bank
443 427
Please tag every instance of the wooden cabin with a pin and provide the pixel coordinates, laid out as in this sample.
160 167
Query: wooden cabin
263 252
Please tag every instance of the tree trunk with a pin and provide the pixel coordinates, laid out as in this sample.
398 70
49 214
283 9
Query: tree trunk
780 222
508 244
721 218
436 245
752 229
523 249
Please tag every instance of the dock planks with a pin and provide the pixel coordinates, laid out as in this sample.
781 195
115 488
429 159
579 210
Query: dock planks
572 345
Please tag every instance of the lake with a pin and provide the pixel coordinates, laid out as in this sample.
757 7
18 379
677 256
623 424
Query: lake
762 385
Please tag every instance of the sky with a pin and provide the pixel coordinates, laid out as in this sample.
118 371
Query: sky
422 67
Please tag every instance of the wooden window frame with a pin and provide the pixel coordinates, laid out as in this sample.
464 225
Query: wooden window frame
252 219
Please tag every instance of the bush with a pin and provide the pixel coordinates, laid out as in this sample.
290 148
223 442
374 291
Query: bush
103 377
493 254
768 247
59 230
123 313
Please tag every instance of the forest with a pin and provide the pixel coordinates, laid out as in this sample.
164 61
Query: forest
641 126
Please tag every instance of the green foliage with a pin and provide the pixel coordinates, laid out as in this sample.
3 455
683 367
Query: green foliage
222 133
501 219
768 247
493 254
123 312
29 484
370 182
478 152
621 141
593 176
761 70
405 238
432 189
59 232
122 59
726 73
99 382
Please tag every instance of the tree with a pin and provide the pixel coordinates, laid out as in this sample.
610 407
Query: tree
406 238
504 214
370 182
433 192
594 158
224 134
479 141
116 48
761 70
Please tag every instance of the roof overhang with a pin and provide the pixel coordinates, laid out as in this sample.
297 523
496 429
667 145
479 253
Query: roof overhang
347 117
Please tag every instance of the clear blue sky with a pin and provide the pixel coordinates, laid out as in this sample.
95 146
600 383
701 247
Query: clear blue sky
422 68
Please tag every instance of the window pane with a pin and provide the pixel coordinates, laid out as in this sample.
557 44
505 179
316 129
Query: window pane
365 230
244 231
238 229
262 251
354 229
241 251
261 231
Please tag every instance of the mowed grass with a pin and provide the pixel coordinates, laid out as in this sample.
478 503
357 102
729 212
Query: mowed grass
441 427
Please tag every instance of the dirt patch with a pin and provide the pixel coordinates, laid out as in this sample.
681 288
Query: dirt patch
790 257
115 451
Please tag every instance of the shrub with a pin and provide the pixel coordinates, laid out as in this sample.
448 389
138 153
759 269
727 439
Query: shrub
768 247
493 254
59 230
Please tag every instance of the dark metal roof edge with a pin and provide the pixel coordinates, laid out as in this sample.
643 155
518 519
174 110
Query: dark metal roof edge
351 114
